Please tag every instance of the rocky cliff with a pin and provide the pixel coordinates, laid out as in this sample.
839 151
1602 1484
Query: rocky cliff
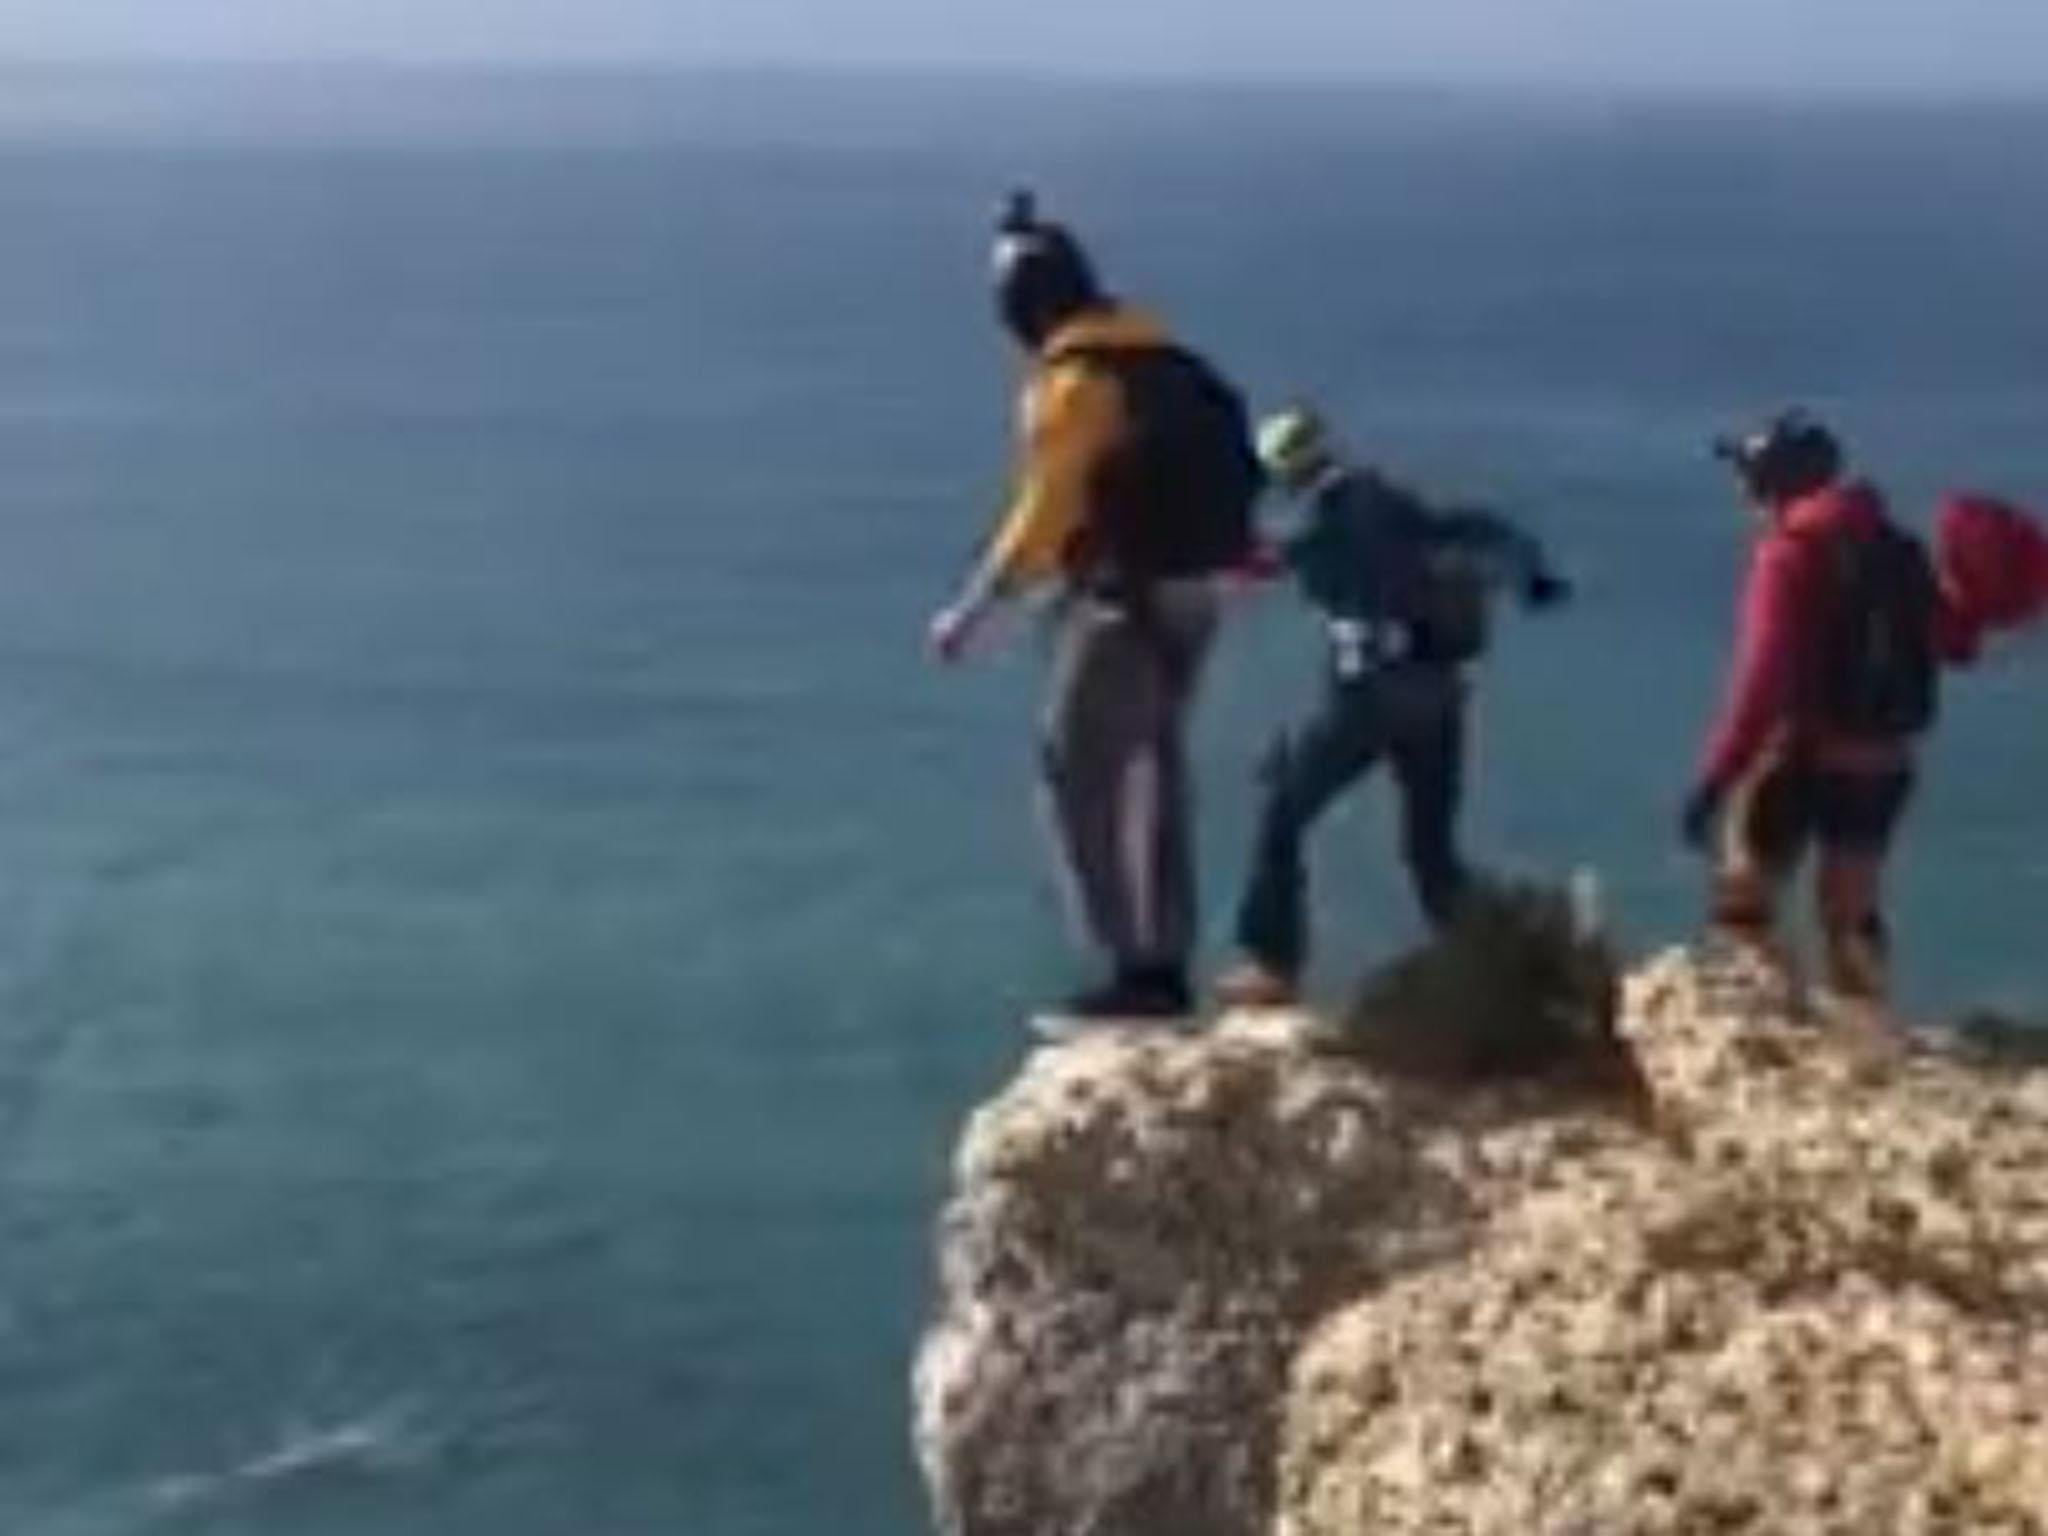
1245 1283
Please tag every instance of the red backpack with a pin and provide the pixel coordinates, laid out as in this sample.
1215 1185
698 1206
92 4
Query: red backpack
1994 563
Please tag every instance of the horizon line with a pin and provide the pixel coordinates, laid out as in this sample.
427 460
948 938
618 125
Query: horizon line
596 66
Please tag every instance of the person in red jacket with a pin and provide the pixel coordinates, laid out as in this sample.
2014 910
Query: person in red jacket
1815 740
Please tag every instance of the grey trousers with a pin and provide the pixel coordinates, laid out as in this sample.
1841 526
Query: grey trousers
1116 781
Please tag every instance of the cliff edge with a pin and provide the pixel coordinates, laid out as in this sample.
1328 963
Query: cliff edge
1247 1283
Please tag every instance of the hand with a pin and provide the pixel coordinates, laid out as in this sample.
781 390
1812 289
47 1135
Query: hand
951 630
1547 591
1263 562
1261 568
1696 822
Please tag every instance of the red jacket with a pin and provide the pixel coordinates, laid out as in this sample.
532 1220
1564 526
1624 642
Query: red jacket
1776 638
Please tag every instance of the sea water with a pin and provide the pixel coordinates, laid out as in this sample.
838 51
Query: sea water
499 921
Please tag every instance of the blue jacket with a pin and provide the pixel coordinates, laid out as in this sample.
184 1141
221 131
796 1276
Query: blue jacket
1366 549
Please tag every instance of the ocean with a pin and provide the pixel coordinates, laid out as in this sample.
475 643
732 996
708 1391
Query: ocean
500 922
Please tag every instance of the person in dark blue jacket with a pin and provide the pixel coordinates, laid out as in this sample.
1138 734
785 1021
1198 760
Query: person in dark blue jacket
1404 589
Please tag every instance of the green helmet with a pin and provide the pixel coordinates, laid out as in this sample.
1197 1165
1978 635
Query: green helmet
1295 447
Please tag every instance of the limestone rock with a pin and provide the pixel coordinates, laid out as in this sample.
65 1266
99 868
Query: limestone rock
1828 1314
1143 1227
1248 1285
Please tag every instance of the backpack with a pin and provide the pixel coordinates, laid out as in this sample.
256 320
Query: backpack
1177 496
1453 604
1433 580
1876 673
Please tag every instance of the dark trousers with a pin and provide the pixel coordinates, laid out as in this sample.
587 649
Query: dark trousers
1783 808
1414 717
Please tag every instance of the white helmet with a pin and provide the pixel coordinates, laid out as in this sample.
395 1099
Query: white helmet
1296 448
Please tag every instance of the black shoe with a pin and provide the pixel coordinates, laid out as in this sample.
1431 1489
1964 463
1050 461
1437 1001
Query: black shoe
1154 993
1163 990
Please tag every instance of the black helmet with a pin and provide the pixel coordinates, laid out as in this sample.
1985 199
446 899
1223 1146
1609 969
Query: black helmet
1791 455
1042 276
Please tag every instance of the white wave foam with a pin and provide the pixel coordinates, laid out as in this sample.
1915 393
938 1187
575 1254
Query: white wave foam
386 1440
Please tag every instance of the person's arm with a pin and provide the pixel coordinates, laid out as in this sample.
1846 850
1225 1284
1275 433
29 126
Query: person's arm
1761 678
1508 555
1071 416
1763 673
1298 546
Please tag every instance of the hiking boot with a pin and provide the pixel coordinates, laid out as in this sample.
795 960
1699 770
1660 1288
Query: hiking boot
1251 984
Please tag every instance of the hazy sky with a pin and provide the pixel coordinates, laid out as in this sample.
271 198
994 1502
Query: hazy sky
1944 45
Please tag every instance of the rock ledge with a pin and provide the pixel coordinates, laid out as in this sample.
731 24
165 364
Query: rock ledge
1235 1284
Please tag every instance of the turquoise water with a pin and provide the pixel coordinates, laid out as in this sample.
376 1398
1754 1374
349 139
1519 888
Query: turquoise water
498 922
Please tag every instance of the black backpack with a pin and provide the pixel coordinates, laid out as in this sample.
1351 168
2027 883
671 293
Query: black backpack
1177 498
1876 673
1453 606
1433 579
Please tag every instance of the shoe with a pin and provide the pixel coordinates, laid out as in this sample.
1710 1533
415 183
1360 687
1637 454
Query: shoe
1162 992
1252 984
1159 992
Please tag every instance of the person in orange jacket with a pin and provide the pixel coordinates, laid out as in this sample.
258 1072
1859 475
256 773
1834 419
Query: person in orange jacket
1136 481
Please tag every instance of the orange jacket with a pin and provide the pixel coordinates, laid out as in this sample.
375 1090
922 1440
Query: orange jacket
1071 417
